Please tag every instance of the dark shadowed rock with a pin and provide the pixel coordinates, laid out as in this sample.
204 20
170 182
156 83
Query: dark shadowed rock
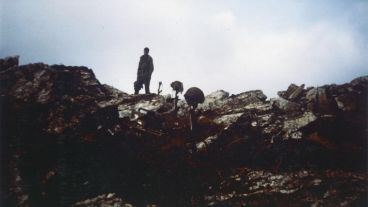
360 81
103 200
347 102
324 103
9 62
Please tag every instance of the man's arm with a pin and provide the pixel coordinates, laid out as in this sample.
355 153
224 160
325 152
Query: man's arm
140 62
139 65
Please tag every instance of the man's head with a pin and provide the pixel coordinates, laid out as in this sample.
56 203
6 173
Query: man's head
146 50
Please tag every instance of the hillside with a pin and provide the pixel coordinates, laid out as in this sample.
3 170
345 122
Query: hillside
67 139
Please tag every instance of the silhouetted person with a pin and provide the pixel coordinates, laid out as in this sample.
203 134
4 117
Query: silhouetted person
145 69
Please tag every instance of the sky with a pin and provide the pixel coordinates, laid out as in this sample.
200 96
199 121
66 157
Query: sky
234 45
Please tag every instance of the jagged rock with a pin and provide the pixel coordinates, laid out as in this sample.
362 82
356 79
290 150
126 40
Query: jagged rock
347 102
360 81
320 101
113 92
324 105
286 94
292 93
58 88
202 145
311 95
248 187
296 93
104 200
292 126
261 107
9 62
214 100
228 119
235 103
129 106
285 105
251 97
226 109
217 95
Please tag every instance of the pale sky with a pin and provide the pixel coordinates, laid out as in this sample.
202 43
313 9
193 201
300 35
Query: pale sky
234 45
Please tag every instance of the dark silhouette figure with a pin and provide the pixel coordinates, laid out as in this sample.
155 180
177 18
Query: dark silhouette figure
145 69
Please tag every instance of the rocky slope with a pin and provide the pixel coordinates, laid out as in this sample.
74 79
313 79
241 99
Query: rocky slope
68 140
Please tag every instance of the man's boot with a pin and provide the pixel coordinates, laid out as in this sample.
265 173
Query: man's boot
147 90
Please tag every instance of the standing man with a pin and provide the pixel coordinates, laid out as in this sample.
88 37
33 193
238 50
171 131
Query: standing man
145 69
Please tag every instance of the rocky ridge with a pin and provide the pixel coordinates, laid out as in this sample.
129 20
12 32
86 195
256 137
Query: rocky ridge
65 137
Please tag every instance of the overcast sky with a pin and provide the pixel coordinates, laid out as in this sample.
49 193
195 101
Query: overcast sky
235 45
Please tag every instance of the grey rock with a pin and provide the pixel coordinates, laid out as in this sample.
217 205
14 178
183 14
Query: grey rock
214 100
290 90
292 126
296 93
285 105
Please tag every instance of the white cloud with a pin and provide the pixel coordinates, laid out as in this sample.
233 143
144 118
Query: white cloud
210 44
313 55
224 20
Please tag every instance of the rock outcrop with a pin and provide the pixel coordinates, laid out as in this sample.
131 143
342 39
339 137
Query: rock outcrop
9 62
66 139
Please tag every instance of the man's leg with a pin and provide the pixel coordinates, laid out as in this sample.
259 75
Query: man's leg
147 85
